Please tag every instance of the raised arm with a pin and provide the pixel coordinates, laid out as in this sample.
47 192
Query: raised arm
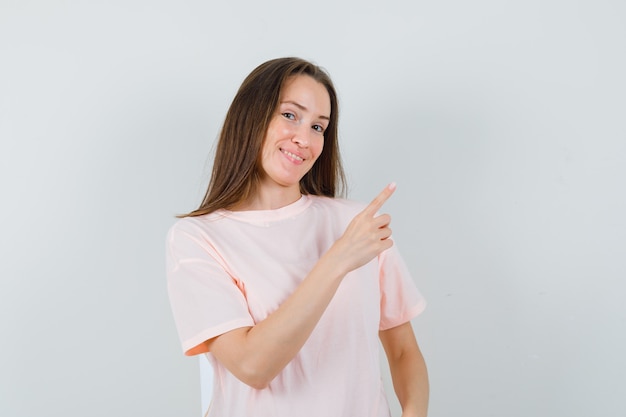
255 355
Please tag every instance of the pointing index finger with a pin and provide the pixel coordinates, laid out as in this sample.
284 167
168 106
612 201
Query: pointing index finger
380 199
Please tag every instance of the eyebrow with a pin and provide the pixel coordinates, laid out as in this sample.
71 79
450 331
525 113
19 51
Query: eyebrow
301 107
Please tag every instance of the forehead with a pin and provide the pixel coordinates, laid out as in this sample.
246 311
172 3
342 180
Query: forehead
308 92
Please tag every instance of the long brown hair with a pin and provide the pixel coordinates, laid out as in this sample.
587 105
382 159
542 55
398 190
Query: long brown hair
235 172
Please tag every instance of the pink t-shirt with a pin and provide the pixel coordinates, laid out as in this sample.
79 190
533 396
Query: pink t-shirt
228 270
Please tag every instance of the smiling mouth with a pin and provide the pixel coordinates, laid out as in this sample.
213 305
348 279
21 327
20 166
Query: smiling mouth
292 155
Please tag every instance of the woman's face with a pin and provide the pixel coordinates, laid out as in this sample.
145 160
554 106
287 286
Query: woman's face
295 136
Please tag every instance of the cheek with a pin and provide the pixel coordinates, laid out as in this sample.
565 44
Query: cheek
319 147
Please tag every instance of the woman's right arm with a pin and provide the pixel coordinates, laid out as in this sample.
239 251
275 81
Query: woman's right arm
255 355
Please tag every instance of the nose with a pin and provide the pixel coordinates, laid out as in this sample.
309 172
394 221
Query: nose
301 136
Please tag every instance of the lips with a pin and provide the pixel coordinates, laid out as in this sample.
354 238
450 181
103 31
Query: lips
292 155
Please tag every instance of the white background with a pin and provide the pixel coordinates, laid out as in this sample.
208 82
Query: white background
503 123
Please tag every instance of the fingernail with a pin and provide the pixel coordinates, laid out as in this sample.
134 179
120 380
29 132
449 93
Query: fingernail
392 186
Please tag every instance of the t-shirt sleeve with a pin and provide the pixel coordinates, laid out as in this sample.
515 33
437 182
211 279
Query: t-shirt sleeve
400 299
205 299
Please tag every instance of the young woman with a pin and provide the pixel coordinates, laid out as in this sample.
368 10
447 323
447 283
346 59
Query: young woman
284 287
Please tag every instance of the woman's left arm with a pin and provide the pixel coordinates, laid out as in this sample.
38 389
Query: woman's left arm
408 369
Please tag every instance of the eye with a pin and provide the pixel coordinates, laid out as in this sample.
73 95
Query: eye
289 116
318 128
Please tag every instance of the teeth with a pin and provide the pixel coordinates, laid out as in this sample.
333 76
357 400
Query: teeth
292 155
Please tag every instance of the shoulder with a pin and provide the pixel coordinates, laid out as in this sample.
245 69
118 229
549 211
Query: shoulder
338 205
196 226
193 238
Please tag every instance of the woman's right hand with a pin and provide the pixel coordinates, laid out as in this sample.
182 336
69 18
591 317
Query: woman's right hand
366 236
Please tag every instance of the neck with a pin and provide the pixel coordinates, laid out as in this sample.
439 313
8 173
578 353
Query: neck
270 198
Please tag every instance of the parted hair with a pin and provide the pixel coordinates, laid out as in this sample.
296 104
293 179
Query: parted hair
236 165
